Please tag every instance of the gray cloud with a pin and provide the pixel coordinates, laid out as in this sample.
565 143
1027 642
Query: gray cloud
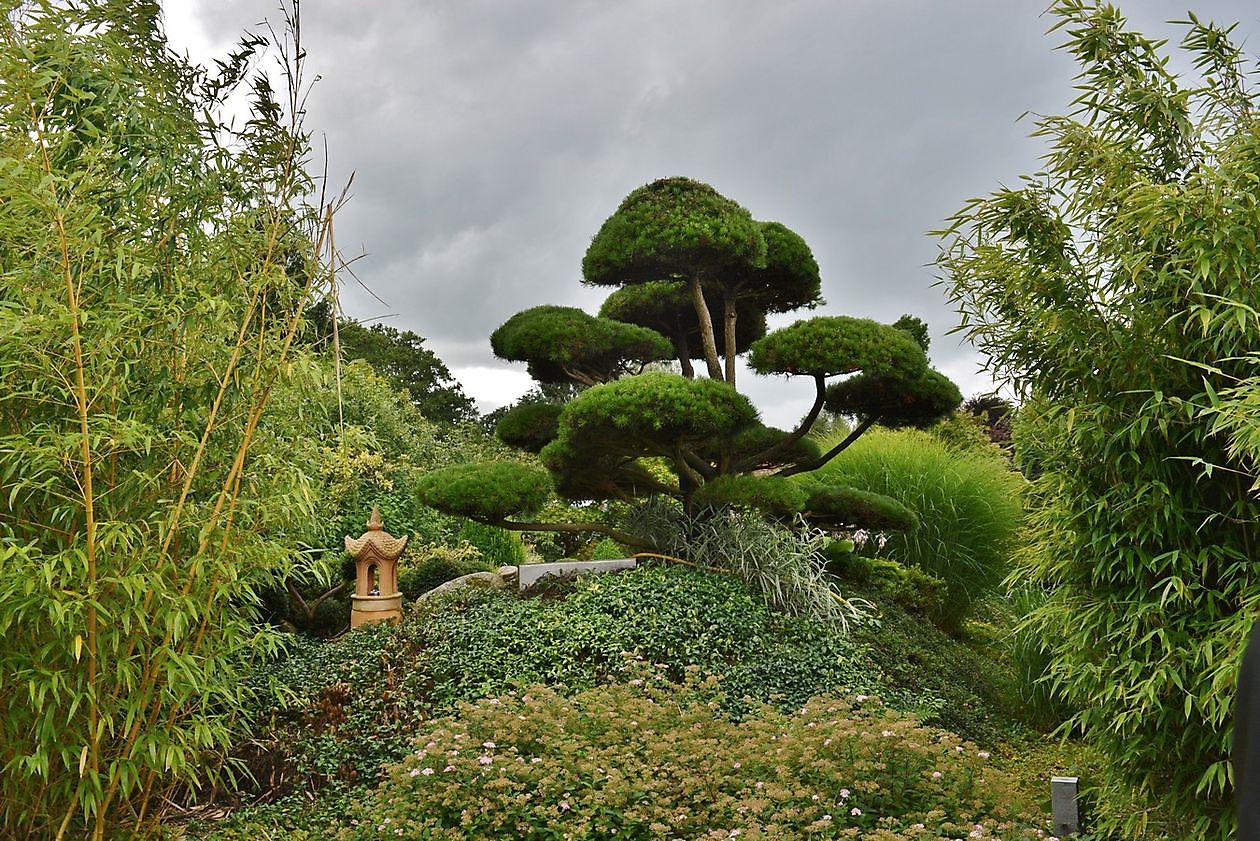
491 139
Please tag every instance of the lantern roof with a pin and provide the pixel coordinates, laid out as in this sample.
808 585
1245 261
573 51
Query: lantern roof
376 544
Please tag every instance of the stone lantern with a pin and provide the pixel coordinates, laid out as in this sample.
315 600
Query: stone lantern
376 596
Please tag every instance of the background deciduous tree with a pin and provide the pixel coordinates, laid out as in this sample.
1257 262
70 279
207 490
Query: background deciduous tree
1115 292
402 359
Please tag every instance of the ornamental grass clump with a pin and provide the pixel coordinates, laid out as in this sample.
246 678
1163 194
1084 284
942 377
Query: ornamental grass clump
649 759
968 507
785 565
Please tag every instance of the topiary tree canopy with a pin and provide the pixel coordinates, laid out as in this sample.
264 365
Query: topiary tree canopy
666 306
684 258
565 343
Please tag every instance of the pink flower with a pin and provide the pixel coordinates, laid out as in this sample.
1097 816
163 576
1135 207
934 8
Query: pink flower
564 805
826 817
428 772
844 792
855 811
485 760
487 744
936 775
736 765
984 754
415 772
448 769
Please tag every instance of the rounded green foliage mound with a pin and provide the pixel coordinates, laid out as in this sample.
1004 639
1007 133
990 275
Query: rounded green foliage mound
969 508
666 307
653 412
581 475
790 279
773 496
753 440
608 549
668 223
649 759
556 341
909 587
529 426
838 344
488 491
844 506
893 402
437 566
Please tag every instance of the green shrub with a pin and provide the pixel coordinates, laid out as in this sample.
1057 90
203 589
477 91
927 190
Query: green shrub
968 506
484 490
498 547
427 567
647 759
607 549
345 706
1030 656
910 587
332 718
961 430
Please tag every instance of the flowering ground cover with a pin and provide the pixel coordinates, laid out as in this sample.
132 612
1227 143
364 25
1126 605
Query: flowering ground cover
647 758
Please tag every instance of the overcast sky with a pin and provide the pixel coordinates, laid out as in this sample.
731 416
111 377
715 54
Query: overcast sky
491 138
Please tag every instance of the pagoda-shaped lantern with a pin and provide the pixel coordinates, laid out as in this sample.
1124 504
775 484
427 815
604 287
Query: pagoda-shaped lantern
376 596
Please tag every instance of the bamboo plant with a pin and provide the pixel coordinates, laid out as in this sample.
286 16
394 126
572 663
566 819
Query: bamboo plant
155 266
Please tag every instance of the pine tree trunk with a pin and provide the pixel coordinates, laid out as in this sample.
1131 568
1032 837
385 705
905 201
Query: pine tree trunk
706 328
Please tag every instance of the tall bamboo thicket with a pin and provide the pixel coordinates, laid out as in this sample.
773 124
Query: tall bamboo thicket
154 267
1115 291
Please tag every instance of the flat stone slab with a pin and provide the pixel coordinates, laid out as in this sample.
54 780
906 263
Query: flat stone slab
529 574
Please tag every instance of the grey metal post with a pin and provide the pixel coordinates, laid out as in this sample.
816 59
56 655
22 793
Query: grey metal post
1063 806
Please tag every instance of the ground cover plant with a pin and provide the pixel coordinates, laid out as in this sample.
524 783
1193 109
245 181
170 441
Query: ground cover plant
649 758
384 681
354 703
1114 291
968 506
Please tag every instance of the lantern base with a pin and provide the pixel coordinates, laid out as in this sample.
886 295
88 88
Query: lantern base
368 610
